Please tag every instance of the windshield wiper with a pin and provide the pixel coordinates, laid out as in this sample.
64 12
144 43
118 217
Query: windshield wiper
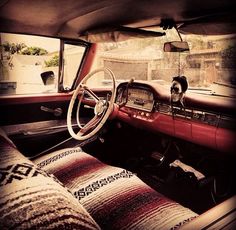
199 89
225 84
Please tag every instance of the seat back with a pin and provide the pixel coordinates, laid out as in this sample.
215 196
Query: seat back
32 199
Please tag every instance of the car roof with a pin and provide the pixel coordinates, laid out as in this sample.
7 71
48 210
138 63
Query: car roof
73 18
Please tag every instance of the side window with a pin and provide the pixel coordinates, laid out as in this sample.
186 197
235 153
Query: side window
73 55
28 64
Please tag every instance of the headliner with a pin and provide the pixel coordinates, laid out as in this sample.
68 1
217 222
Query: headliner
73 18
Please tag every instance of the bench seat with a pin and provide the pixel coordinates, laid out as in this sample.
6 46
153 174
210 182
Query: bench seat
114 197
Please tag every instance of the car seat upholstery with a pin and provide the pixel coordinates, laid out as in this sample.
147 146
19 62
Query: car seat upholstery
114 197
30 198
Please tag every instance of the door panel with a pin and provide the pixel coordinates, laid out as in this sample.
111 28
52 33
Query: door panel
32 129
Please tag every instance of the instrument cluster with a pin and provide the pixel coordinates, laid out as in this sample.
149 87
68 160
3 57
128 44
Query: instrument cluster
140 98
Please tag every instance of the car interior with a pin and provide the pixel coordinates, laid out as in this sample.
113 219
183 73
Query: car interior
117 114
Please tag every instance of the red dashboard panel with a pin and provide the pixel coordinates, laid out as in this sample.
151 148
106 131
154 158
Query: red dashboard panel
196 132
225 140
203 119
151 121
183 129
204 135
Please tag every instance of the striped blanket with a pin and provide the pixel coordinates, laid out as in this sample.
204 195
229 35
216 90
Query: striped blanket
114 197
32 199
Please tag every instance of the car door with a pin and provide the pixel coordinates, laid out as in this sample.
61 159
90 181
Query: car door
37 79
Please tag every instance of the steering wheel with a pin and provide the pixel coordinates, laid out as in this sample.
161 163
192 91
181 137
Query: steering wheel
102 109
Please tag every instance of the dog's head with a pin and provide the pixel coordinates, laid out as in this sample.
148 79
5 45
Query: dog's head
178 88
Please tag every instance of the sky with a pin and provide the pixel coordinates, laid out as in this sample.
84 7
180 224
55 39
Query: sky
49 44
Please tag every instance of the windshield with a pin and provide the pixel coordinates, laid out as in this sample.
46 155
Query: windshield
209 66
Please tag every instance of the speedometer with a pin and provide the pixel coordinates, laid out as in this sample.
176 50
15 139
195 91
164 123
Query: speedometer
142 99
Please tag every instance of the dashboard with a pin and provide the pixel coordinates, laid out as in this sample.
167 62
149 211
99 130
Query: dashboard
207 121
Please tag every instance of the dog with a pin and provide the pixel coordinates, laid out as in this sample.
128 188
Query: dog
178 88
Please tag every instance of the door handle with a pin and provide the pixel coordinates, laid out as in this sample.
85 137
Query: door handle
56 112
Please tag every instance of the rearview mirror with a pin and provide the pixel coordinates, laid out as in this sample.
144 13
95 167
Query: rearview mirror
48 77
176 46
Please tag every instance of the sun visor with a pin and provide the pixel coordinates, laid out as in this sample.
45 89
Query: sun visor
117 34
209 29
218 24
